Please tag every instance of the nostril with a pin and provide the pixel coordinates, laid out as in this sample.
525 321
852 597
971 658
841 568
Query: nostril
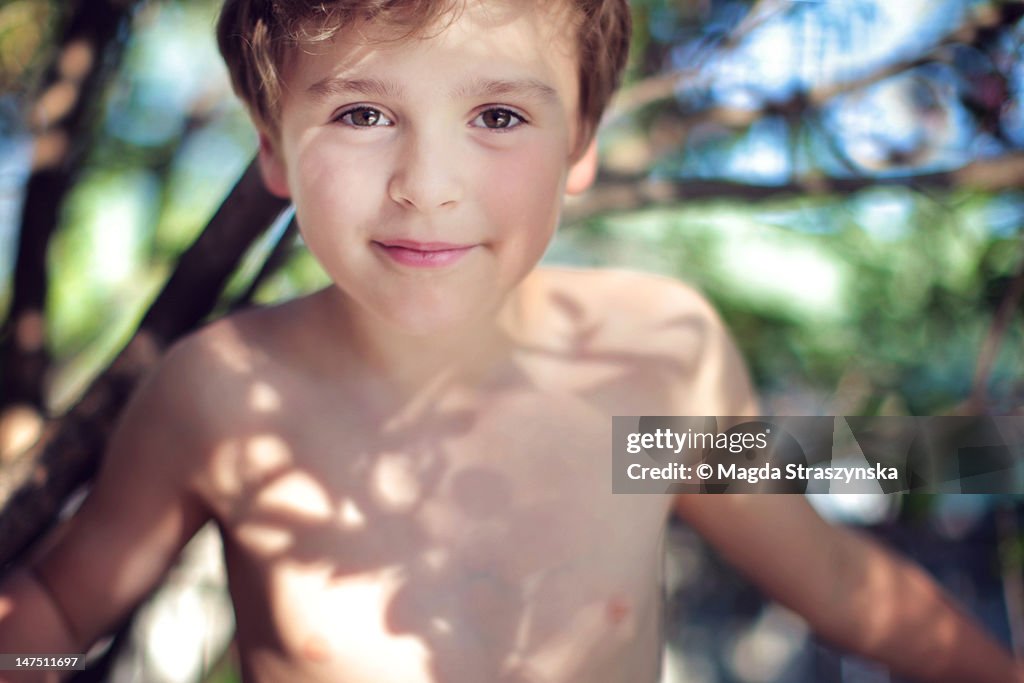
426 178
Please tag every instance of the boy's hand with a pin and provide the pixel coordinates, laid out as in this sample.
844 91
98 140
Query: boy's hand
852 591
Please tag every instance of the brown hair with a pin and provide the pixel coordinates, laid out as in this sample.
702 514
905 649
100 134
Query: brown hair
255 37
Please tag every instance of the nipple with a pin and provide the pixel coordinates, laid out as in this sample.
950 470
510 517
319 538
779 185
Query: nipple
316 649
617 609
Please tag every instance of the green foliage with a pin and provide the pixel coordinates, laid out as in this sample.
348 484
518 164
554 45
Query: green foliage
895 315
25 26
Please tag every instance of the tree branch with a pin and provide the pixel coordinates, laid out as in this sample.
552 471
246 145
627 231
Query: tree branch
89 49
34 487
621 192
994 339
663 86
275 260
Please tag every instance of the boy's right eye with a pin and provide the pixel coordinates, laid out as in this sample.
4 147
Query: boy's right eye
364 117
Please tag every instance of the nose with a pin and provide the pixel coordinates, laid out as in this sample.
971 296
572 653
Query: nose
426 174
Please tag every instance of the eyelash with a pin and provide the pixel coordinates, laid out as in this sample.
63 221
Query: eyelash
516 119
352 110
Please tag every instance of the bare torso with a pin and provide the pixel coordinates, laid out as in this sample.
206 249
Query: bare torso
471 536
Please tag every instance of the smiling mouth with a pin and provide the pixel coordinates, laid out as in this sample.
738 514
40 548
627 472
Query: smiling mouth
423 254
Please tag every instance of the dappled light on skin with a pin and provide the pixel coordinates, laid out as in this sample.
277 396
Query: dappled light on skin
394 484
433 568
263 459
362 600
435 559
295 494
350 516
264 398
238 464
223 468
265 453
226 354
265 538
461 533
609 359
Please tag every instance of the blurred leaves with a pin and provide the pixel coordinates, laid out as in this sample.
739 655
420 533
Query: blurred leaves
25 26
867 156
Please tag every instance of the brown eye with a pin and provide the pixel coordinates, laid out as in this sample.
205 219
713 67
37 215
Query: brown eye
498 119
365 117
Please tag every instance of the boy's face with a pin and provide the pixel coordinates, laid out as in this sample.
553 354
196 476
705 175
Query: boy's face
428 173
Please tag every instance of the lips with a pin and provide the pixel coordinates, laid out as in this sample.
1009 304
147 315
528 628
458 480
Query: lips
423 254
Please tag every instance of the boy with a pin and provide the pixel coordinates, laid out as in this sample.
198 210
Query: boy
409 468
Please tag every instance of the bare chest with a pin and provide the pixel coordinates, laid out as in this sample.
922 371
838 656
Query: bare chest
465 544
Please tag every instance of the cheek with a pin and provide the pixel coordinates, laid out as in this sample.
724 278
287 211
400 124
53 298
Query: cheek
335 203
330 180
525 190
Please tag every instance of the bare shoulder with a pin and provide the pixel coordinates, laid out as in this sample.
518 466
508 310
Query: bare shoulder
153 490
648 309
207 381
637 292
659 317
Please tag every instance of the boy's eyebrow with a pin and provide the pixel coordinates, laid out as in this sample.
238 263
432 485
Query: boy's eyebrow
375 87
336 85
529 87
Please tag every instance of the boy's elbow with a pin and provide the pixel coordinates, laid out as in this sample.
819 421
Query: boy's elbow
855 612
888 609
30 619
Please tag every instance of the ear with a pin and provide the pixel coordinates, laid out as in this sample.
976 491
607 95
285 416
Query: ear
583 171
275 179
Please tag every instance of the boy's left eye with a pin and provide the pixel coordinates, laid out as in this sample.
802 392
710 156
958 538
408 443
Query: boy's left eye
498 119
364 117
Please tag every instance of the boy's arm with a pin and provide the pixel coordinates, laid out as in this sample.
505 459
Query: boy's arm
850 589
113 551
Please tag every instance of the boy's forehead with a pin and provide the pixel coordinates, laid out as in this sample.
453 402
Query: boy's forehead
501 37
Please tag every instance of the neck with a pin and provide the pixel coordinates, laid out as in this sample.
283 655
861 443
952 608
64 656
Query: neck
405 366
